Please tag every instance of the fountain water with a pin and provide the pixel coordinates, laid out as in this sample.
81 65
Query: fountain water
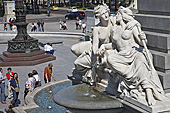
84 99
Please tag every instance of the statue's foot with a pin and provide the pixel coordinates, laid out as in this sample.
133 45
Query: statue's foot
150 98
151 101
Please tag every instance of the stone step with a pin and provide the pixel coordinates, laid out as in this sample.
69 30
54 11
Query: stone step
10 59
165 78
161 61
154 22
158 6
24 59
27 63
8 54
158 41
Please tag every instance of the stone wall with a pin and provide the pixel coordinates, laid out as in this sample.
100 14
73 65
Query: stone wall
154 16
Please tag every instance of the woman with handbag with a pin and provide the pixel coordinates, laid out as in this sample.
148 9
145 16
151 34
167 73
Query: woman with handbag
15 87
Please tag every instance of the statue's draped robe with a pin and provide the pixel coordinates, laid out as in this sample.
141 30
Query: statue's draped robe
132 65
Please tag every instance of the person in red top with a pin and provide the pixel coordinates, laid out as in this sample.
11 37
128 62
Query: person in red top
9 76
48 73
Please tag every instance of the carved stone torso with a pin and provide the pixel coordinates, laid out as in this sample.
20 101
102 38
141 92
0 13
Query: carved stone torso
123 38
103 34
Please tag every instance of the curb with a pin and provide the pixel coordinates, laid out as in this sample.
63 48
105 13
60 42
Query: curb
29 100
72 35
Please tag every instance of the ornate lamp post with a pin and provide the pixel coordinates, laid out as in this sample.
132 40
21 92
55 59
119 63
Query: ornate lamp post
22 43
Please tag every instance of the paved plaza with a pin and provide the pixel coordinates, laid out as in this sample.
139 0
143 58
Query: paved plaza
63 64
51 23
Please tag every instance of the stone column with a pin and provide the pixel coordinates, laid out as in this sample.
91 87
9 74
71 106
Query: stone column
154 16
90 20
9 7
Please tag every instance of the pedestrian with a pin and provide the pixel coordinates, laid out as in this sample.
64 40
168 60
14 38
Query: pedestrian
32 27
9 76
42 25
48 73
10 106
35 27
15 87
77 24
10 23
84 27
13 21
2 85
49 49
30 84
5 27
14 28
39 25
80 24
46 46
37 78
65 25
61 23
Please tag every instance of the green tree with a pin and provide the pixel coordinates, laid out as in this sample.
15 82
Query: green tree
1 2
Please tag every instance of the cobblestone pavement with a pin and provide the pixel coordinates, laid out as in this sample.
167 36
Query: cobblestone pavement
62 65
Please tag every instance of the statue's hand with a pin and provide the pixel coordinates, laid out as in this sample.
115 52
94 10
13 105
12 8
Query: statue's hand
100 51
142 36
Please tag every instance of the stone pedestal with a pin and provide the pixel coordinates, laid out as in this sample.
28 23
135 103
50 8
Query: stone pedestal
24 59
154 16
25 46
9 7
160 107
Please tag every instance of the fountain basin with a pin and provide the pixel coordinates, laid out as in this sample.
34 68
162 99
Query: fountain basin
84 99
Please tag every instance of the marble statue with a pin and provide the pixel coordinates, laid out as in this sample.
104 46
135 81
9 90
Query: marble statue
116 48
131 61
85 64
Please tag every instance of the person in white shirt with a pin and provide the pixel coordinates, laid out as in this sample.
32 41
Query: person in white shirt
64 25
49 49
45 47
37 78
80 24
30 84
84 27
14 28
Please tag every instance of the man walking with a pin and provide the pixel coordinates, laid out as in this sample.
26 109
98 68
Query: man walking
42 25
77 24
2 85
48 73
84 27
39 25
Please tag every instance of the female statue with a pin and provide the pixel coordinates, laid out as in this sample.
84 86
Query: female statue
85 51
130 61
